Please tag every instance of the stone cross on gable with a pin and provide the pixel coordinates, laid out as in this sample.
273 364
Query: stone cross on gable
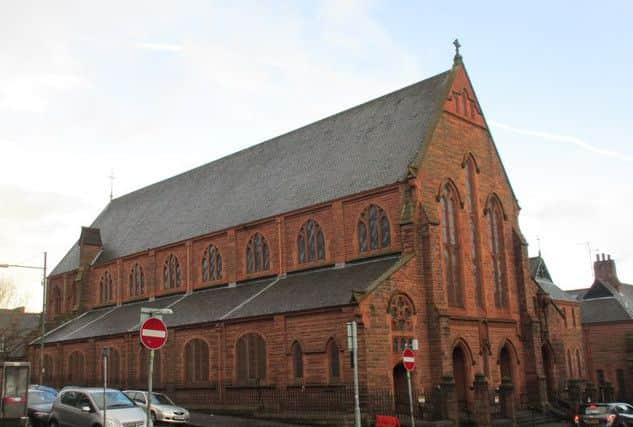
457 46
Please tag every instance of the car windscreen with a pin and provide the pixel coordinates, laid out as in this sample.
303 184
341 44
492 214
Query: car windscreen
113 399
596 410
161 399
37 397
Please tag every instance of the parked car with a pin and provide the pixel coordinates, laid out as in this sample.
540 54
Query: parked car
84 407
163 408
39 404
605 414
41 387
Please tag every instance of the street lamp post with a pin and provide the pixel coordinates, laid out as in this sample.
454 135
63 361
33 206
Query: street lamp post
43 315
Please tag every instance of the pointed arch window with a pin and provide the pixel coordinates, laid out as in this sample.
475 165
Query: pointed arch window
310 242
473 223
48 369
76 368
105 288
251 359
569 365
497 251
297 360
578 364
450 246
114 367
144 363
172 275
57 300
196 361
334 362
373 229
211 264
257 254
137 281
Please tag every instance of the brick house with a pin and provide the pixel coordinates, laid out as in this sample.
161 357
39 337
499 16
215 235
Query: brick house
607 321
563 349
397 213
17 329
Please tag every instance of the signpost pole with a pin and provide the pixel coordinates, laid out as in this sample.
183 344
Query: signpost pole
149 388
352 345
410 398
105 354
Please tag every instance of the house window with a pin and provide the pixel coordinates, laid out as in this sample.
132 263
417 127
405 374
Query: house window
373 229
334 363
297 360
450 246
172 275
211 264
497 251
257 254
196 361
105 288
310 242
137 281
251 359
471 198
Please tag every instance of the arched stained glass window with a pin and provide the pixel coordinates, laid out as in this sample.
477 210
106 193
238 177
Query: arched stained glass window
497 251
48 369
373 229
211 264
137 281
251 359
450 246
106 293
311 242
76 368
401 311
334 362
196 361
297 360
473 223
172 275
56 300
257 254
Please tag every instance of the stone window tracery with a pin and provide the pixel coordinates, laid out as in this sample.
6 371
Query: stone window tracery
251 359
137 281
196 361
497 250
172 275
450 245
401 311
211 264
257 254
310 242
373 229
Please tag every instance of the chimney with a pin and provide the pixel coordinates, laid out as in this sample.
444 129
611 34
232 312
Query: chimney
89 245
604 269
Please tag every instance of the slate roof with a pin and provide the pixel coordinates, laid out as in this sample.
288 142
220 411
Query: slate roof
365 147
322 288
540 274
607 309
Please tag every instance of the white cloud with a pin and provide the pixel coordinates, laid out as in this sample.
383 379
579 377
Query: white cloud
161 47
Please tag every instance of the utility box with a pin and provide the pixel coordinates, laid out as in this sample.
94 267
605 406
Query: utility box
14 383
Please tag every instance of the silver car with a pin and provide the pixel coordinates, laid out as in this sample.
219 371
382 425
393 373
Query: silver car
163 409
84 407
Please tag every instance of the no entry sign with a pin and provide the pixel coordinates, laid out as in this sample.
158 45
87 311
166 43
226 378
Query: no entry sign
153 333
408 359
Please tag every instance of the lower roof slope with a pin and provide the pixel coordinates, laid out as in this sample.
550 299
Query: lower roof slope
309 290
366 147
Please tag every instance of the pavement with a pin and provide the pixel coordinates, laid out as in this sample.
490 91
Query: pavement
199 419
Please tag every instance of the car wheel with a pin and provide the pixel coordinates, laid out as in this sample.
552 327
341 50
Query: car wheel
53 423
154 418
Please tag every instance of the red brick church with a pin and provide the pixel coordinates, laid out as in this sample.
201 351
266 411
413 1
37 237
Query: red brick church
397 213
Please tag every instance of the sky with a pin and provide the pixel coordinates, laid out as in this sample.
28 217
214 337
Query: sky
145 90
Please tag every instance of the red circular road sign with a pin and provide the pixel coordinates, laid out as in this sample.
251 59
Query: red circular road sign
408 359
153 333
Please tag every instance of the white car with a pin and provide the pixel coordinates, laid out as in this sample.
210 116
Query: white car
163 408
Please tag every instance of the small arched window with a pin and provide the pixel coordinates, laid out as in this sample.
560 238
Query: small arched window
172 275
473 223
297 361
334 362
569 365
76 368
578 364
137 281
211 264
497 251
196 361
251 359
57 300
105 288
114 367
311 242
373 229
48 369
257 254
450 245
401 311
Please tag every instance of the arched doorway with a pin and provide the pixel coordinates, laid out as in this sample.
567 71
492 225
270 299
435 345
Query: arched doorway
505 363
460 375
548 367
400 389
